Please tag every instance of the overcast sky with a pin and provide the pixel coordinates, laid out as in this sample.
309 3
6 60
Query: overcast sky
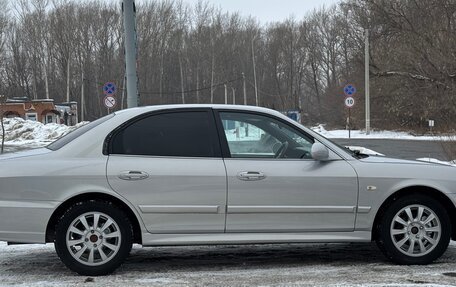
263 10
269 10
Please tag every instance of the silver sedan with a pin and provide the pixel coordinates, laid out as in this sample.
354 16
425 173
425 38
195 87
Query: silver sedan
217 174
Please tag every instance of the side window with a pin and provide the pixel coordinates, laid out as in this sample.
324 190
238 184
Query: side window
185 134
256 136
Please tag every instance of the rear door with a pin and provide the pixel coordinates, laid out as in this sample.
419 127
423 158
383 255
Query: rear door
169 166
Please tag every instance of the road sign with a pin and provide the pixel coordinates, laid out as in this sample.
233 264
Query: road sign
109 89
349 90
109 102
349 102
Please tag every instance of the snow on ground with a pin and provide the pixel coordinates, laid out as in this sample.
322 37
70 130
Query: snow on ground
20 132
360 134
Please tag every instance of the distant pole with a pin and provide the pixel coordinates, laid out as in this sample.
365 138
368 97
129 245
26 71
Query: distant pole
254 73
245 92
226 95
129 10
122 99
366 74
234 95
82 95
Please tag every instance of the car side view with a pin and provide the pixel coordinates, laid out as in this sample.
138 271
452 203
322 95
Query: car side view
217 174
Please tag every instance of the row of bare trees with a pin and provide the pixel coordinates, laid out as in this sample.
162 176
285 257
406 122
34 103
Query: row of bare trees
66 50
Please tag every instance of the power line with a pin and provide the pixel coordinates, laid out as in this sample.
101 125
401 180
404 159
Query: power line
265 93
180 92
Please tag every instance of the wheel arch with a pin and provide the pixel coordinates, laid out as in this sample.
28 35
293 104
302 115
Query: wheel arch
93 196
417 189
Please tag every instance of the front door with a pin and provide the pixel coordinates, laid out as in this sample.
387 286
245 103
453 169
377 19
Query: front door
169 166
274 185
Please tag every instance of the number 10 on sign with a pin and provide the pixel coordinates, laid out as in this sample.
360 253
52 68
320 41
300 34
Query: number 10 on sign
349 102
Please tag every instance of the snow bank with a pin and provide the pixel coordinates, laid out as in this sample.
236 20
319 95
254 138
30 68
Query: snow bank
360 134
20 132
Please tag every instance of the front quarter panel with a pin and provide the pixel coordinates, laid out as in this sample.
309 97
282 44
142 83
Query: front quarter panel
379 180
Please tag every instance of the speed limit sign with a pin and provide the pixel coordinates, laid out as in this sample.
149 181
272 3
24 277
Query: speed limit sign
349 102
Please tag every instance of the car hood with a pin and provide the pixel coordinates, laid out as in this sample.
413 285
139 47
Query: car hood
25 153
381 159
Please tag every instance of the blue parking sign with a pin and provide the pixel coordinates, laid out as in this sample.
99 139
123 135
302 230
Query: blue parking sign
109 88
349 90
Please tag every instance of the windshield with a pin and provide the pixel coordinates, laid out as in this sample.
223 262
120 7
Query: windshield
76 133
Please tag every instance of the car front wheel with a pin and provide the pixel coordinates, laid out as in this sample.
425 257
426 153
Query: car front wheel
93 238
414 229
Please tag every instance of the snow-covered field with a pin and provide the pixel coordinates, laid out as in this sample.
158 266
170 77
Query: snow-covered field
361 134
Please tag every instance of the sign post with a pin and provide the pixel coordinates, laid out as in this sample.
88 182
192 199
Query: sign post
431 125
109 101
349 91
349 103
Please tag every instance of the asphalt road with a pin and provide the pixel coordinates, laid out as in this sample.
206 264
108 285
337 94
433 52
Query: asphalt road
321 265
405 149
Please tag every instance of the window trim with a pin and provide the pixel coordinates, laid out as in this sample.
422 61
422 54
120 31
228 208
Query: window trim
224 142
107 144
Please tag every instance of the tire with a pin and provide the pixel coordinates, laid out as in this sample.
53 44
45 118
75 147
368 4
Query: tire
93 251
419 240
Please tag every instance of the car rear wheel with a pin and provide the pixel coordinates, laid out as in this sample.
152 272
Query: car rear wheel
93 238
414 229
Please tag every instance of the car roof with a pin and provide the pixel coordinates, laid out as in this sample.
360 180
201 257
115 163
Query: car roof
189 106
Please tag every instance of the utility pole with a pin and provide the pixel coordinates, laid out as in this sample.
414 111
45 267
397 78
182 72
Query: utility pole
245 92
234 95
129 10
82 95
366 76
254 72
226 95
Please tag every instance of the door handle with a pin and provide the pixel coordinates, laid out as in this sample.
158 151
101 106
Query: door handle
251 175
133 175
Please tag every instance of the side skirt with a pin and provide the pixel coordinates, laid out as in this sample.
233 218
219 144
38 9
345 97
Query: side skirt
253 238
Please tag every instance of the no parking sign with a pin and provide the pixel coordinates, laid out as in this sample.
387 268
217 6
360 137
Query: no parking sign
109 89
349 90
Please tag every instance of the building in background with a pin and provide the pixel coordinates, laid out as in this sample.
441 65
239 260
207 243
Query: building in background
42 110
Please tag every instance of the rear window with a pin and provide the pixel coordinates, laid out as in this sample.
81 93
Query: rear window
77 133
179 134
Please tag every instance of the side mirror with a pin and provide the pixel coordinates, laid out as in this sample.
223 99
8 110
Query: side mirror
319 152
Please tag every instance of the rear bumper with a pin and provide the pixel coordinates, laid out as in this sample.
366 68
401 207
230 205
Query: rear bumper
25 221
